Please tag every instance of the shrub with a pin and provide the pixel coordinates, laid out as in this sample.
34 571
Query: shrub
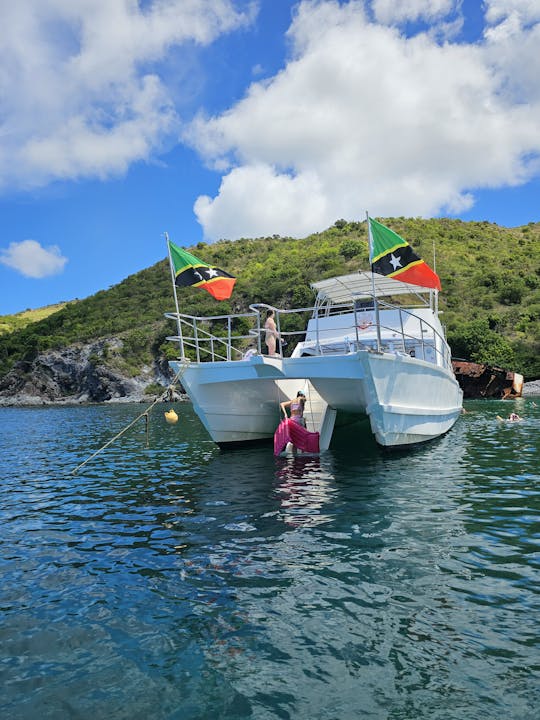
475 341
351 248
154 389
512 292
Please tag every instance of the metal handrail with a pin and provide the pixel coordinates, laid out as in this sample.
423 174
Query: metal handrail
230 342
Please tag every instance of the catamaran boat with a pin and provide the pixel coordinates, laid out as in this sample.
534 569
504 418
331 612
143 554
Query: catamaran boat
371 348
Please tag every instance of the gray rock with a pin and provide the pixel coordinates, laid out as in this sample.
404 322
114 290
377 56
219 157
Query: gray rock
78 374
531 388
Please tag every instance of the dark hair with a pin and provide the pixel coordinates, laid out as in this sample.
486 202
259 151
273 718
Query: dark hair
269 312
300 393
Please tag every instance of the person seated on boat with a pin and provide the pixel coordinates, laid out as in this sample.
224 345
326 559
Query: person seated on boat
272 334
250 352
296 407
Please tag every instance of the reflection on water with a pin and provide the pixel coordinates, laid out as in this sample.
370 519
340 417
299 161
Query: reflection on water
304 485
182 582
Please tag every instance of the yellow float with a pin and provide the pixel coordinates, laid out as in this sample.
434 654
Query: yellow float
171 417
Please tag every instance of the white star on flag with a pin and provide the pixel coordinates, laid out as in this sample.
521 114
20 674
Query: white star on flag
212 273
395 262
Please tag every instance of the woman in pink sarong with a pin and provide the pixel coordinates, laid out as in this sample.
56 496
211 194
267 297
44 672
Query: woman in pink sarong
293 430
296 407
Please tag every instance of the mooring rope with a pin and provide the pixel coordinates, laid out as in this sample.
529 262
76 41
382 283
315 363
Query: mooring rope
144 414
307 391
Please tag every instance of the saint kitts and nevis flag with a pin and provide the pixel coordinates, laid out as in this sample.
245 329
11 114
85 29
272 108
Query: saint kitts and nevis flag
189 270
392 256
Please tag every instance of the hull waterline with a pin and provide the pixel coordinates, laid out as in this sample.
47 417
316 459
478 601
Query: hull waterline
407 401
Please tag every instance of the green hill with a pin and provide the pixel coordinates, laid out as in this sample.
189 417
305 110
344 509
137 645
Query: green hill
11 323
490 277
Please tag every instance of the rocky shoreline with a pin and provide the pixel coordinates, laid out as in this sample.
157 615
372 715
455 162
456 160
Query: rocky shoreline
531 389
79 375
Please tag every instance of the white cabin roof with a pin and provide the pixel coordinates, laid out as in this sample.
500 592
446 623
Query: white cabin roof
346 288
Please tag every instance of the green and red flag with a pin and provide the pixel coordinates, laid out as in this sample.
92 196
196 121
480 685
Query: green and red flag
190 271
392 256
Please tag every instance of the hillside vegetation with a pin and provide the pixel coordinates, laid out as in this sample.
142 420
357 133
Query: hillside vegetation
10 323
490 277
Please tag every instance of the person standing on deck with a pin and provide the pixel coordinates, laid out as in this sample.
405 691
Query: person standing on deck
272 334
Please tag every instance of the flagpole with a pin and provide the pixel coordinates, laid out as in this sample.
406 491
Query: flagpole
178 324
436 308
375 301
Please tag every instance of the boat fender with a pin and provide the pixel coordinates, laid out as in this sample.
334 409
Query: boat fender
171 417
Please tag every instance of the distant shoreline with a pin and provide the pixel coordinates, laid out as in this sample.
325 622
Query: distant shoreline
530 390
129 400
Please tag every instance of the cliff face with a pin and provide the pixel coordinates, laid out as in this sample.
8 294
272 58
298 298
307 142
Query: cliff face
77 374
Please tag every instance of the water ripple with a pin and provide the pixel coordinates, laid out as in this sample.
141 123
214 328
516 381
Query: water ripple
177 581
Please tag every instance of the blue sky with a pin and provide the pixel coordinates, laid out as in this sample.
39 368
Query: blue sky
226 118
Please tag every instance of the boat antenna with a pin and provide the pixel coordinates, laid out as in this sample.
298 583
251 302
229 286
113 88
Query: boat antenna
375 301
178 323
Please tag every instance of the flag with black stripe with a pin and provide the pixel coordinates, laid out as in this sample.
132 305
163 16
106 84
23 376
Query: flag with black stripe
393 257
190 271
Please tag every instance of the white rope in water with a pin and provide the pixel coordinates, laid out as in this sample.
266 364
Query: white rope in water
144 414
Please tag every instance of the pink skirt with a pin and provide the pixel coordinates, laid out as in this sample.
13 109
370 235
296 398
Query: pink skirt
291 431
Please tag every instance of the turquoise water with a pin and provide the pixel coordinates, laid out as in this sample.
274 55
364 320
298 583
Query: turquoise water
182 582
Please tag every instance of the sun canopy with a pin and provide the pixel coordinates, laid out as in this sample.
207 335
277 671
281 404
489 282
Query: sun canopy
347 288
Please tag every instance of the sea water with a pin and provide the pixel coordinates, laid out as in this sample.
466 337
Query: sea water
179 581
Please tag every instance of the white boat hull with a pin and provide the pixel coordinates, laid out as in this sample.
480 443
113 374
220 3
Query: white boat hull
407 400
427 404
237 402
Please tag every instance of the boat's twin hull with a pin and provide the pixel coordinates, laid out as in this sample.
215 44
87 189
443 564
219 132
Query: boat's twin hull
237 402
408 401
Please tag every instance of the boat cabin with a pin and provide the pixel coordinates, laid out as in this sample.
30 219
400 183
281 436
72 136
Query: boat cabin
360 311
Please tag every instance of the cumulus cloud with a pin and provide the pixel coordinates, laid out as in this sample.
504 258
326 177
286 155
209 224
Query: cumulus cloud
528 11
364 117
80 85
509 49
281 197
390 11
32 260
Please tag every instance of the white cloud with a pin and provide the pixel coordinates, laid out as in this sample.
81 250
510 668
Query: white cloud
510 50
281 197
78 81
390 11
363 117
528 11
32 260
